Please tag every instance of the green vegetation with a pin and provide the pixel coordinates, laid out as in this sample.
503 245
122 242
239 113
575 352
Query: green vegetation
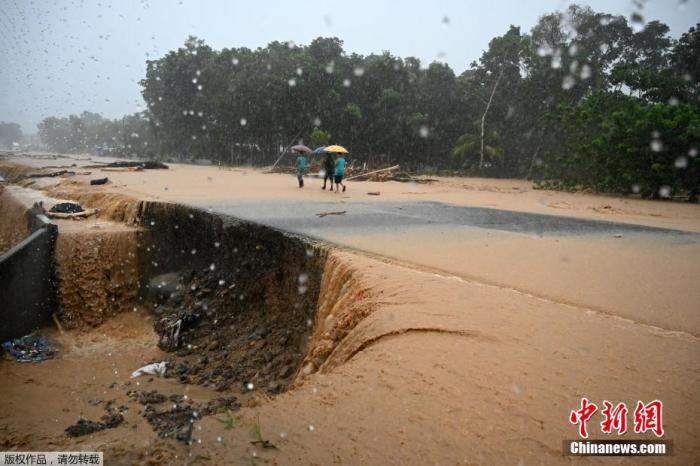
259 440
230 420
584 100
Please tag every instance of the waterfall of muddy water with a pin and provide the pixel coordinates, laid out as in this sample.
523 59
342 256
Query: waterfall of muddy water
97 266
13 227
343 302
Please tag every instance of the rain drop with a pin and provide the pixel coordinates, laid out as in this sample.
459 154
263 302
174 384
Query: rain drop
585 72
568 82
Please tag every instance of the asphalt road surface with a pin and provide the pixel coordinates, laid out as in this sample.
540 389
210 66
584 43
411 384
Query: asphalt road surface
385 217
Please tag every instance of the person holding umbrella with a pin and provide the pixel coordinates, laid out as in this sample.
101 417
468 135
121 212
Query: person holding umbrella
301 150
328 165
329 168
339 165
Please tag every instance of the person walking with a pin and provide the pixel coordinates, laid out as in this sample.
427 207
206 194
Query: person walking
329 168
339 172
301 167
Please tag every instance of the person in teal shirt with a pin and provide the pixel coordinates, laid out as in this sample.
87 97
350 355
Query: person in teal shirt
339 171
301 167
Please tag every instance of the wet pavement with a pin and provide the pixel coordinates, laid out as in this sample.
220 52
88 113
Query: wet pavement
387 217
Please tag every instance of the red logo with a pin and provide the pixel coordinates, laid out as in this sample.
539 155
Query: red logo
647 417
582 416
614 418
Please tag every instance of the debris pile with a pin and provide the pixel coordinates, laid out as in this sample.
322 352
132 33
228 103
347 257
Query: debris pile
143 165
30 348
70 210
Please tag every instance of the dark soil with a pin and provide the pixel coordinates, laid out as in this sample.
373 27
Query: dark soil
152 397
173 417
221 337
85 427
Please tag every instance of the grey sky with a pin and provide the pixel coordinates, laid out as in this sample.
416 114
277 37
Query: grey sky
62 57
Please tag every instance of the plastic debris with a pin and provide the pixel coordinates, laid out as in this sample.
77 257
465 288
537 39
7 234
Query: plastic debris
156 368
30 348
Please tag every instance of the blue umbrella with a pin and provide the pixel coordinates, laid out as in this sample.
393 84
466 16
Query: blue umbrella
319 150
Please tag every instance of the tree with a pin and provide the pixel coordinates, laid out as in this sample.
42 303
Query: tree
10 133
619 143
320 137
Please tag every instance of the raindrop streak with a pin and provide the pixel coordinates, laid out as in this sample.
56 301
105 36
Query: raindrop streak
681 162
568 82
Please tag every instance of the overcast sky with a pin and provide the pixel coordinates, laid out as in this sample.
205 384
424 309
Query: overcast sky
61 57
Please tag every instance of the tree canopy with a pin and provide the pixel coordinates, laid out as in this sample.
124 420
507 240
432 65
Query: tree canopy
578 101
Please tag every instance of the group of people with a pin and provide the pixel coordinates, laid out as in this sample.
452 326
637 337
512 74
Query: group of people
334 170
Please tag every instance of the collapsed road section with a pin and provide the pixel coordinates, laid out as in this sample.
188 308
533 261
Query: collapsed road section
236 305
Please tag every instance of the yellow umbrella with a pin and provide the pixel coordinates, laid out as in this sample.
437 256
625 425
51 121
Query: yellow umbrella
336 149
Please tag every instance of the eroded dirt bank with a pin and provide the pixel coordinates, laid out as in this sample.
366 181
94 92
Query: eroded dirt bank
237 301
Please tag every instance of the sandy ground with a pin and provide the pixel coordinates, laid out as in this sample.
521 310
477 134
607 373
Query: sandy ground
478 348
39 400
647 280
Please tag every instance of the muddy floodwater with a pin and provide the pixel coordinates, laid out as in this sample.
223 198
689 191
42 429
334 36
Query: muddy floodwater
461 320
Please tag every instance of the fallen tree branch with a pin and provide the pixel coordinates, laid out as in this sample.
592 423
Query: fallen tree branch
74 216
381 170
323 214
